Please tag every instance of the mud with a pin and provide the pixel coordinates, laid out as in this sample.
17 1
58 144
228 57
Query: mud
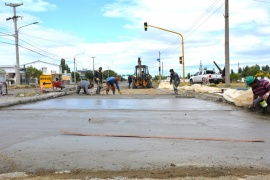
199 173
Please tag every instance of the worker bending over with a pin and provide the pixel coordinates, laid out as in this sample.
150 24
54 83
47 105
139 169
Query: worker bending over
261 91
110 81
176 80
85 85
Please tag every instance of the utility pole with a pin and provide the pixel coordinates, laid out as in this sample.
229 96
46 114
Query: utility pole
162 69
75 74
93 68
227 52
159 67
15 17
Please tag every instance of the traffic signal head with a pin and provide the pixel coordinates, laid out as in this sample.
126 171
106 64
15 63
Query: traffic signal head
180 60
145 26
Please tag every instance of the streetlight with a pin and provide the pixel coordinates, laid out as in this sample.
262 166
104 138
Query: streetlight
27 25
17 69
74 67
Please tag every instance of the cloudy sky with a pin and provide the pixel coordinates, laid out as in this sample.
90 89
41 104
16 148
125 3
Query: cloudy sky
112 31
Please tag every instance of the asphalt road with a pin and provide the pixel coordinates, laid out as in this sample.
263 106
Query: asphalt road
181 132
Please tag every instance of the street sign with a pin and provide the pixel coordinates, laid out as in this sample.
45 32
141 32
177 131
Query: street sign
46 81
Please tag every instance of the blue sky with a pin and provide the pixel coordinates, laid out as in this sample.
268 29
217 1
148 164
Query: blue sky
112 32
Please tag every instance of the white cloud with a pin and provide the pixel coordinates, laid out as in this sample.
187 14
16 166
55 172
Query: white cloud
249 33
32 5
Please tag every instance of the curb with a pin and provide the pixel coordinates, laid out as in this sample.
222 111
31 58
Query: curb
24 100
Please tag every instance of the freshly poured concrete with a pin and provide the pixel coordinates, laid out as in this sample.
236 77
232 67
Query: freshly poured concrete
31 139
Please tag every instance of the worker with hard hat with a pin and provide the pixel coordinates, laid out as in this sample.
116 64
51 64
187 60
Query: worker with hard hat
110 82
261 91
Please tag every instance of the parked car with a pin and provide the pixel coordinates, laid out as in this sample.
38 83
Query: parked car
205 76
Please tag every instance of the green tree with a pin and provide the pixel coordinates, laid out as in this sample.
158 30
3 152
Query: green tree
77 76
64 66
89 75
245 71
32 72
156 78
235 76
265 68
240 70
111 73
254 70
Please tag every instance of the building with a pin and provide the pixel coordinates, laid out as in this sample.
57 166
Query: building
46 68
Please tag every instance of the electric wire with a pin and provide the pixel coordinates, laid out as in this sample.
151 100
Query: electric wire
195 25
40 49
47 40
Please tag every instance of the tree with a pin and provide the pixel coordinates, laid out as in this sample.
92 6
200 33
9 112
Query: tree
240 70
254 70
64 66
245 71
77 76
265 68
109 73
235 76
89 75
32 72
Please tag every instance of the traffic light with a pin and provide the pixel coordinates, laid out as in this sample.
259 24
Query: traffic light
180 60
145 26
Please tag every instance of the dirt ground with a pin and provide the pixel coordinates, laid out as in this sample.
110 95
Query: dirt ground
176 173
171 171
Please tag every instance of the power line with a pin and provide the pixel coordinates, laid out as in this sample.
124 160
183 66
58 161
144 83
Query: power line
36 52
205 20
189 31
47 39
204 14
262 1
38 48
6 43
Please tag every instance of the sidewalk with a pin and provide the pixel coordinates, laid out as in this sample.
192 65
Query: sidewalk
21 96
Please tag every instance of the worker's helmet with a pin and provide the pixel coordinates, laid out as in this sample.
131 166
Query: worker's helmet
116 78
249 80
100 68
171 70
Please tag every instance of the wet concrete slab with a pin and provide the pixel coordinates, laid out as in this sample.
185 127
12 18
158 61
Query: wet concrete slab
31 137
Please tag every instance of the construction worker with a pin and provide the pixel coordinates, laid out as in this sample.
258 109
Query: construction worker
176 79
85 85
261 91
98 76
129 81
110 81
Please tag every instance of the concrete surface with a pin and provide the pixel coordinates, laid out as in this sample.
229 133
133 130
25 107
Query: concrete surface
31 140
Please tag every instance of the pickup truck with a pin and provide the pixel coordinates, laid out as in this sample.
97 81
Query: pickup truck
205 76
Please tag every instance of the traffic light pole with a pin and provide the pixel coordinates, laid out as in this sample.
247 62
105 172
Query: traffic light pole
183 59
